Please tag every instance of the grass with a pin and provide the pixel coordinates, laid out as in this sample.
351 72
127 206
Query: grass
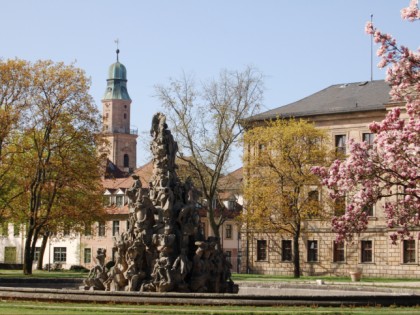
43 274
269 278
44 308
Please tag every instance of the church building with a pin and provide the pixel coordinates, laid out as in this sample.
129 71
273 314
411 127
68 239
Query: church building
117 130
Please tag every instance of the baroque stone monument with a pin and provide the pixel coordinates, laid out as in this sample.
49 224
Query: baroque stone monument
164 249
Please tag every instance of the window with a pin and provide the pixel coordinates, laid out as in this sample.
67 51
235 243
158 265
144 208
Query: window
16 229
4 229
107 200
313 196
338 254
228 254
229 231
368 209
114 251
88 255
214 203
409 251
231 205
261 250
115 228
125 116
88 230
368 138
66 231
60 254
366 251
313 203
286 250
340 206
202 229
101 228
340 144
126 160
119 201
312 251
37 253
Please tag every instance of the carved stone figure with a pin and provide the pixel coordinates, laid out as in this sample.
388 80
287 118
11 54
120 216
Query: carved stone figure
98 274
164 248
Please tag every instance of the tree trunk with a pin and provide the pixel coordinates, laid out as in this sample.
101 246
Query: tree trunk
296 256
214 226
42 251
27 261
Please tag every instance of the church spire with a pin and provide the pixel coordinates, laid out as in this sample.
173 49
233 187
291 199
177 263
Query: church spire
117 41
116 118
117 81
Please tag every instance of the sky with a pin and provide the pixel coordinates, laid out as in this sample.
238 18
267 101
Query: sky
301 47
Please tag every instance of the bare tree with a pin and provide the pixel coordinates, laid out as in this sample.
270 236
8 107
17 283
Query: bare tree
206 124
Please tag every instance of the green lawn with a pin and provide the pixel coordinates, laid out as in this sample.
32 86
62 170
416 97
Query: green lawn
262 278
33 308
43 274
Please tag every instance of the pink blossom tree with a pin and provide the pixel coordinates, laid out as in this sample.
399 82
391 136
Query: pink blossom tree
390 168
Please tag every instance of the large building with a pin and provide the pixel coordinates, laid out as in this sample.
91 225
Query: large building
345 111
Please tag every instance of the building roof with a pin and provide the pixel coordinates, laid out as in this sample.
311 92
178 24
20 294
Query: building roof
116 82
338 98
113 210
232 181
112 171
145 173
115 183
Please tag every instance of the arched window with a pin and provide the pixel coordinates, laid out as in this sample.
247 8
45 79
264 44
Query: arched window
126 160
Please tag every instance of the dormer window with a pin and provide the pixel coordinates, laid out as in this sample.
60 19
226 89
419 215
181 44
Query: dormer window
231 204
119 201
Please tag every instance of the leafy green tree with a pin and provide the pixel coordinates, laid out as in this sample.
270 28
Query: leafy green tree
14 91
58 171
280 190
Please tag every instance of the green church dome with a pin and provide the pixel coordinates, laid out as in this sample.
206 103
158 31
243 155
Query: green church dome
117 82
117 71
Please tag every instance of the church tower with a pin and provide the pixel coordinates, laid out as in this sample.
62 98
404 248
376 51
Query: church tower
116 119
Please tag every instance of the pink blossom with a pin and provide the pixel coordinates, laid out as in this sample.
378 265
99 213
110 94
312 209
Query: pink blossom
411 13
390 169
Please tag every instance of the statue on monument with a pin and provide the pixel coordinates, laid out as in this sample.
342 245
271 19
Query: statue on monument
164 249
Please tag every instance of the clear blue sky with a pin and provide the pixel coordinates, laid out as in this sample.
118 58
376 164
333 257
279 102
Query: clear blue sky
300 46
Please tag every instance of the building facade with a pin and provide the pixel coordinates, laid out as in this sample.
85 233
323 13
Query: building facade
345 111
